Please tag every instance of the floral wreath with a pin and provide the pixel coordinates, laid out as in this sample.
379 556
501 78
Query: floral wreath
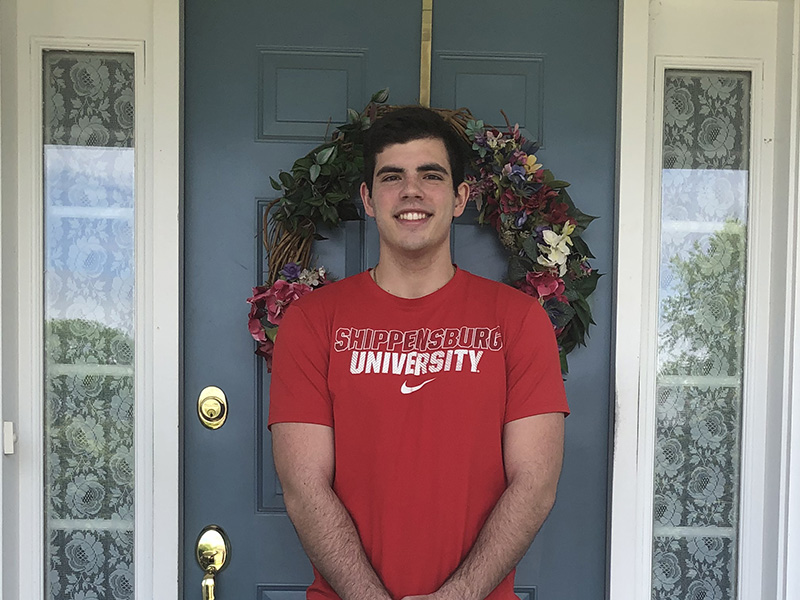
535 219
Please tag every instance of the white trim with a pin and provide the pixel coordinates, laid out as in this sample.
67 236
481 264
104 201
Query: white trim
157 26
757 309
753 437
165 65
789 522
626 544
151 240
30 368
641 104
5 546
32 482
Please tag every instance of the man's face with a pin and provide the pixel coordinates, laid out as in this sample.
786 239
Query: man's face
412 199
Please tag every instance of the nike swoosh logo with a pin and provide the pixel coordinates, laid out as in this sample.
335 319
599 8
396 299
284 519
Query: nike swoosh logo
405 389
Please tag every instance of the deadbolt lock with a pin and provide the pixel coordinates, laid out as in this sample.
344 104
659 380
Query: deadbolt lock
212 407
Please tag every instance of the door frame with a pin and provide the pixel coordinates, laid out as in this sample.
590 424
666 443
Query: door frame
152 30
643 36
159 24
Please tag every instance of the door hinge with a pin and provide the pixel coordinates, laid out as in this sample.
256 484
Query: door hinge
9 437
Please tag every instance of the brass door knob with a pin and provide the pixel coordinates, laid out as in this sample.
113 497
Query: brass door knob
212 407
213 551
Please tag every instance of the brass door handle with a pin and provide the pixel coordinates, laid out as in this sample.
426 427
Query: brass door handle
213 550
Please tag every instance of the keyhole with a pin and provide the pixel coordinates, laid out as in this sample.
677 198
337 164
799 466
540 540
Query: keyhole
212 408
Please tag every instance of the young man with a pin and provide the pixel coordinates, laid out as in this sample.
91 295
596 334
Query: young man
417 411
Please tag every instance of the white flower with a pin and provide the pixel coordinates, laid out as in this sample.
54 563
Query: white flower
555 250
312 277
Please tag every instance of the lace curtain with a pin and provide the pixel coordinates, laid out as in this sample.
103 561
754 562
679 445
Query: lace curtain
700 334
89 321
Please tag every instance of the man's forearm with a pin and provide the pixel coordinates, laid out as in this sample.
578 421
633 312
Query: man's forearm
501 543
331 541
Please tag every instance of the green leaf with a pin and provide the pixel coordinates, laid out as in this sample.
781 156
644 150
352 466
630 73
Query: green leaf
348 211
557 183
286 179
560 313
272 332
313 172
583 220
304 163
530 247
580 246
324 155
586 285
380 96
329 214
352 115
518 268
275 185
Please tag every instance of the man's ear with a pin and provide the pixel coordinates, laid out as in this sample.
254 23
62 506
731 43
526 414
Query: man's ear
462 195
366 199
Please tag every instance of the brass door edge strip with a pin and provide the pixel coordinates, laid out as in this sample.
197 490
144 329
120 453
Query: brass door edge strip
425 53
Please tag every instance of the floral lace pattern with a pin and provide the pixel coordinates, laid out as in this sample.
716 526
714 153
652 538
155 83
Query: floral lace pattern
89 322
88 99
701 333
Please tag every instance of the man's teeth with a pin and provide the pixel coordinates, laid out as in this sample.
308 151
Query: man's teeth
412 216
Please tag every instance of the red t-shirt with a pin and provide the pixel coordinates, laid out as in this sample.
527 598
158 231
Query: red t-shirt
417 391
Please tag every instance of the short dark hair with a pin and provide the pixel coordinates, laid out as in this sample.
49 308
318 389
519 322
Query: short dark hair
412 123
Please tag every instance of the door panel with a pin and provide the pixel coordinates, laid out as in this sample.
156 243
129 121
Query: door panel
262 79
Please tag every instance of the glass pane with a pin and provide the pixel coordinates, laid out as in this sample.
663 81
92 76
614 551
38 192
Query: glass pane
704 197
89 324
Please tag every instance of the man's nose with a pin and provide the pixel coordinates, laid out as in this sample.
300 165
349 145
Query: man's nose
411 188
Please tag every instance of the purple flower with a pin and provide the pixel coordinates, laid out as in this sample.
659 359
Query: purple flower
522 216
291 270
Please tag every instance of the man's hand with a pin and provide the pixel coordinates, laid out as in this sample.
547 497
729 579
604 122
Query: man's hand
532 453
304 461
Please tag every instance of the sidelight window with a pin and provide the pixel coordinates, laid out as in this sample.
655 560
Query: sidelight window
88 158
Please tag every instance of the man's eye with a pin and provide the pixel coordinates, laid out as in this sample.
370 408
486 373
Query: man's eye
436 176
391 178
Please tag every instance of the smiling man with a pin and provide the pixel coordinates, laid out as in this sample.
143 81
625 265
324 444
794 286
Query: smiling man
417 410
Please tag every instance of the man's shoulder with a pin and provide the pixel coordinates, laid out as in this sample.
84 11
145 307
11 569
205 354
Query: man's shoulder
329 295
490 290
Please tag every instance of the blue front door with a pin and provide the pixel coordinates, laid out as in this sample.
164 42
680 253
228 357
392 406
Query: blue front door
262 80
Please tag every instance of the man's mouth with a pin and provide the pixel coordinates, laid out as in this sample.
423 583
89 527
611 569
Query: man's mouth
412 216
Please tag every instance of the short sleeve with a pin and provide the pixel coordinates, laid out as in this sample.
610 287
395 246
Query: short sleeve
298 390
533 369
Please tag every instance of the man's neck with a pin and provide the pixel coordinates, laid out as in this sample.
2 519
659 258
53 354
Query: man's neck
413 279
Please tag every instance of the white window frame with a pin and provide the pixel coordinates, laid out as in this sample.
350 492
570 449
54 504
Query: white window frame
640 105
152 31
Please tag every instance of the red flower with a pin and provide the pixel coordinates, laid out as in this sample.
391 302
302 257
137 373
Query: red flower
257 312
543 285
558 213
265 349
509 202
280 296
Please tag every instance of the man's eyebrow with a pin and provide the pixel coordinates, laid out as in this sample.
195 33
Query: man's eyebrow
436 167
432 167
389 169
